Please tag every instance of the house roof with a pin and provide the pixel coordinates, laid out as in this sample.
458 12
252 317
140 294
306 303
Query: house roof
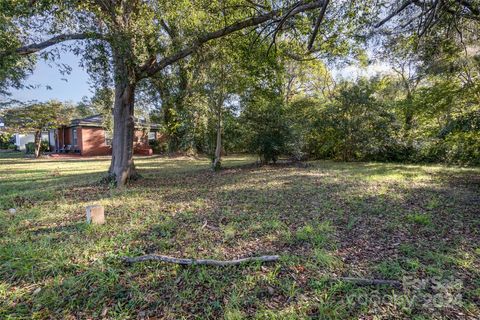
97 121
92 120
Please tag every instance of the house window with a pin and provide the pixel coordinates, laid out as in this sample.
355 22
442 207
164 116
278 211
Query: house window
74 136
108 138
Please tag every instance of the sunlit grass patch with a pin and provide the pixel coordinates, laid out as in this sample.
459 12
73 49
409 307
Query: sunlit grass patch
419 218
317 234
326 259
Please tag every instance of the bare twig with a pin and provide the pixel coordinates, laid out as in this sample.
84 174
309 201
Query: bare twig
280 25
209 262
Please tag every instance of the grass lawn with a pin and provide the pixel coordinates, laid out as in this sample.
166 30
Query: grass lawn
417 224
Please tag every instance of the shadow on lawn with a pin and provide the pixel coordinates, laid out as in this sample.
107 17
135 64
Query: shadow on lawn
34 191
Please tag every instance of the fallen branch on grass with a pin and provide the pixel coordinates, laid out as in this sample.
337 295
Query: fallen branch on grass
208 262
370 282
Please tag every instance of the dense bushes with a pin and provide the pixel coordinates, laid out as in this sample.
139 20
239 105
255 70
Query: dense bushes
357 124
30 147
266 129
463 148
158 146
455 148
295 112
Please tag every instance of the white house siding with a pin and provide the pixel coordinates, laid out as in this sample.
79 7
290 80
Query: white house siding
21 139
51 138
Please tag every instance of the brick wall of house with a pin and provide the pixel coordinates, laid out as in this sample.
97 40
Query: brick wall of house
64 136
93 142
140 143
79 139
140 140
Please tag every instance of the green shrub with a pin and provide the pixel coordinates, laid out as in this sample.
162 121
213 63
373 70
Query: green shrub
158 146
30 147
5 140
463 148
268 133
355 125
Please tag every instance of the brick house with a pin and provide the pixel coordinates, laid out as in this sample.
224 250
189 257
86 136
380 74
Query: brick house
88 137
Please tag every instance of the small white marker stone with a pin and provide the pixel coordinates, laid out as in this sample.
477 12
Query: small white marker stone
95 214
12 210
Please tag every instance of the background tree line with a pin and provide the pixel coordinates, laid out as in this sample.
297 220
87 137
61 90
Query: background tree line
231 97
426 109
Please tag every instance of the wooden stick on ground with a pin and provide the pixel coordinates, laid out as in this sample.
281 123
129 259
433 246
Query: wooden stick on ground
209 262
370 282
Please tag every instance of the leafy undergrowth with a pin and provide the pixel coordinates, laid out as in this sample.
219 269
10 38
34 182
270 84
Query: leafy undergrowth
416 224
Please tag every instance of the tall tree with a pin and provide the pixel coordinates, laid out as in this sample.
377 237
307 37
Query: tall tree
135 34
222 64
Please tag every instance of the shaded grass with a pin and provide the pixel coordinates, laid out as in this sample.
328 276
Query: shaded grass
327 220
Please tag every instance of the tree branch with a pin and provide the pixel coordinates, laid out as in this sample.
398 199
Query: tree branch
280 25
317 25
394 13
301 6
209 262
432 10
169 30
32 48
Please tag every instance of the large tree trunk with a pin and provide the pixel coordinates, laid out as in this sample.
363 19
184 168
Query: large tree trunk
38 143
408 113
217 162
122 167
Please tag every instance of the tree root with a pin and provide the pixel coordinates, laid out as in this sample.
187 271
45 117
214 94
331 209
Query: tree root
109 179
209 262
